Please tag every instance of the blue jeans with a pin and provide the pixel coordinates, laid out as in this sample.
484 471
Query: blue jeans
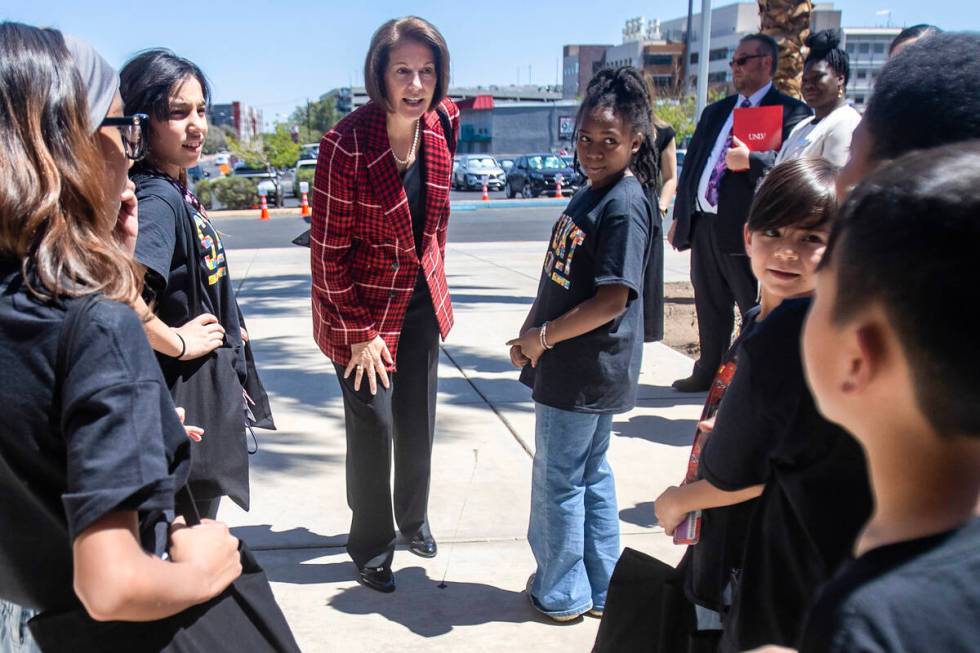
14 635
574 526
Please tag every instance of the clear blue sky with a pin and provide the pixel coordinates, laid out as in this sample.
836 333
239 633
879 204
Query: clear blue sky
274 54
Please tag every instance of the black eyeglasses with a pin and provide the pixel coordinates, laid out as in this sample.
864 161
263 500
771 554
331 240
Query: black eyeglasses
741 61
131 130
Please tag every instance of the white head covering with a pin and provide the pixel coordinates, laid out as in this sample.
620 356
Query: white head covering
99 78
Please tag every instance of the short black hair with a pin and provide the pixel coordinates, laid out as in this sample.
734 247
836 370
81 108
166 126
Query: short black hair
799 193
907 239
768 43
625 92
825 46
926 96
913 33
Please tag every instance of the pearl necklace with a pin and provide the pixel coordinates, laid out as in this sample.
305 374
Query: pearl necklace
411 152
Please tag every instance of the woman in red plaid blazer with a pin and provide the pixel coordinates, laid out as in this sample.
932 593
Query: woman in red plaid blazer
380 300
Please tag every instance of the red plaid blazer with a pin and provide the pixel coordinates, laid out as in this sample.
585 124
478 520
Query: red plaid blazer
364 262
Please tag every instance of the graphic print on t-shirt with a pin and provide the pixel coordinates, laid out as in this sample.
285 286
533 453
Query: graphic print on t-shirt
214 253
558 263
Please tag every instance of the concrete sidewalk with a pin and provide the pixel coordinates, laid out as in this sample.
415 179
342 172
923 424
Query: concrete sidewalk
470 597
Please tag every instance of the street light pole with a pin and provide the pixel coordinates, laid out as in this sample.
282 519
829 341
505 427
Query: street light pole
705 51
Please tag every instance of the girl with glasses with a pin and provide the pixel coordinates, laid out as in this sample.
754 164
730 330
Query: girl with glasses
93 449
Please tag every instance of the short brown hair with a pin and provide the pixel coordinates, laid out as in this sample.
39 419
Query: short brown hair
392 33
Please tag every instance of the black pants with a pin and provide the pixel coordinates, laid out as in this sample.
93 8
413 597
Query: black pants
721 281
403 415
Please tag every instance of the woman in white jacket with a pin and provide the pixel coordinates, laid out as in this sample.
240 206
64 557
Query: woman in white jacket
826 134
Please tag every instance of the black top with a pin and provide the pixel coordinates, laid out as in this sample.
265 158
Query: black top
600 239
113 442
919 595
161 248
817 495
663 138
414 181
717 555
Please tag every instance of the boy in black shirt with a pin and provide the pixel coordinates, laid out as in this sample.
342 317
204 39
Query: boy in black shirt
891 354
758 561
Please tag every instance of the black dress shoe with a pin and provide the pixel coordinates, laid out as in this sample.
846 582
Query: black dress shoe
692 384
423 546
377 578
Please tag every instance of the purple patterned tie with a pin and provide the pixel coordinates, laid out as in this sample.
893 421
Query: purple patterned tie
711 193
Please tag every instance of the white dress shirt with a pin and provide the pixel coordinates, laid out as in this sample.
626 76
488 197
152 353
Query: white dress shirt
717 150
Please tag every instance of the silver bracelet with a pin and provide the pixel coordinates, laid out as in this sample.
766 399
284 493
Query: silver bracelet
543 336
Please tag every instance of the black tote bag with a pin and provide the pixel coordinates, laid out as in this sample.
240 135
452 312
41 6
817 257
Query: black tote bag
646 610
210 391
243 618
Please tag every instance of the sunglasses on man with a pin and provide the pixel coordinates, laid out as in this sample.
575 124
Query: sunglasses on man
131 130
741 61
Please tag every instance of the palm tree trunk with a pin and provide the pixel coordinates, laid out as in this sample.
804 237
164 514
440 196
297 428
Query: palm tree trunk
787 21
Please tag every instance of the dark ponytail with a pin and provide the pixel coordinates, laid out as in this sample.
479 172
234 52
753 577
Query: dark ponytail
625 92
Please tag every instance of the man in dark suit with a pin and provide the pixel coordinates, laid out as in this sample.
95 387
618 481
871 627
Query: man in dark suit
714 194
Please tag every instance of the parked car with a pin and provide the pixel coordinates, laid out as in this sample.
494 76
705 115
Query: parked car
303 172
505 163
268 182
578 180
472 168
534 174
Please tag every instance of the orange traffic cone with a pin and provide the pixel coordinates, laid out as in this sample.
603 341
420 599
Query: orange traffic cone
304 207
558 187
486 195
265 208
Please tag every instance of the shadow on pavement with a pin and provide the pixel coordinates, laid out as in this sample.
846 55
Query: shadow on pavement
262 538
641 515
654 428
427 610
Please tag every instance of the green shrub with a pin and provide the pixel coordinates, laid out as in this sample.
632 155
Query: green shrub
204 191
304 174
236 192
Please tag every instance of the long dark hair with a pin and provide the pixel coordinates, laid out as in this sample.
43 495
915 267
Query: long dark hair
56 212
624 91
146 83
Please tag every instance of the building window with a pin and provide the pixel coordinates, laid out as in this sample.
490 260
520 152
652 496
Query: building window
859 99
864 48
694 58
879 48
718 77
718 54
862 74
663 81
851 48
657 60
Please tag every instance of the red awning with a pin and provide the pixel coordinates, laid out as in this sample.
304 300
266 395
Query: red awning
478 103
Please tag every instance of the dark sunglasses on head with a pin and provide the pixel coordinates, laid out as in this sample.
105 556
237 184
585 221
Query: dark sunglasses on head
131 130
741 61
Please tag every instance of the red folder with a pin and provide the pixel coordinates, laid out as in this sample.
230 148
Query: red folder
760 128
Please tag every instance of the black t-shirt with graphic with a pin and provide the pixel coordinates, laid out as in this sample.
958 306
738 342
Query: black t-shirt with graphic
918 595
600 239
160 247
105 438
